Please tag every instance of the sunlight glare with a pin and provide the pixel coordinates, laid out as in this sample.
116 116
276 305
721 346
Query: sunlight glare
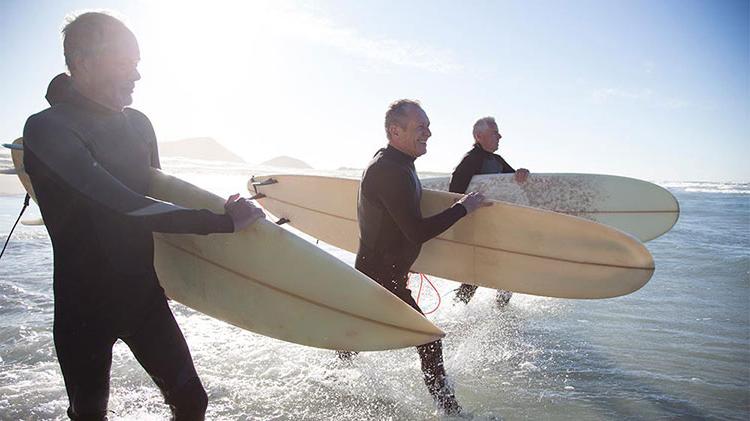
207 66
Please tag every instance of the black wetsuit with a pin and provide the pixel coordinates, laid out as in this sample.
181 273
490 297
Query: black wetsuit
477 161
89 167
392 231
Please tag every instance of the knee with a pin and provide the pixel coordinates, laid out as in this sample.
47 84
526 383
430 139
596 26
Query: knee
189 401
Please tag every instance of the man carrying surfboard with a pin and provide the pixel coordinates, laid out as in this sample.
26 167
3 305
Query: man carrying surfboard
392 228
88 158
481 159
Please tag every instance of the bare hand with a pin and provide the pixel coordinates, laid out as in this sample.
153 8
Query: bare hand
521 175
242 212
474 201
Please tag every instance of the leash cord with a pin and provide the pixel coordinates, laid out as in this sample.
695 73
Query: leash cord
25 205
422 278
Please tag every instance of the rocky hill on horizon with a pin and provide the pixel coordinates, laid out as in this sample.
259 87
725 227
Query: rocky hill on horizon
205 148
287 162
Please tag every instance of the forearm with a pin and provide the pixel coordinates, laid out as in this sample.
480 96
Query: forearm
188 221
404 209
431 227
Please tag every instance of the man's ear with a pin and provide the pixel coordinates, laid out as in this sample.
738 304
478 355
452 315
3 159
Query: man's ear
79 67
393 130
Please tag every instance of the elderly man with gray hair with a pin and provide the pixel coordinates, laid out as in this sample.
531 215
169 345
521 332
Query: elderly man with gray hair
89 158
481 159
393 229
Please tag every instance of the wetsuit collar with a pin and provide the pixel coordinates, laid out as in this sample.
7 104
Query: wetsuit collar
398 156
60 90
479 148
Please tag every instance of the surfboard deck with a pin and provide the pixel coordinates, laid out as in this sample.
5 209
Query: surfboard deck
642 209
505 246
269 281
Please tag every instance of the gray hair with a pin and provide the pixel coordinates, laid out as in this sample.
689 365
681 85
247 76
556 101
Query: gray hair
483 124
88 34
396 114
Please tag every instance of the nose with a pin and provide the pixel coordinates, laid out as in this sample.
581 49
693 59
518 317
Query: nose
135 76
429 133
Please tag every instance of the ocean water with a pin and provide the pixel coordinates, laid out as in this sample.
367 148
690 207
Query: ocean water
679 348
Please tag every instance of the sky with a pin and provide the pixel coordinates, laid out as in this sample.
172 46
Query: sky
653 89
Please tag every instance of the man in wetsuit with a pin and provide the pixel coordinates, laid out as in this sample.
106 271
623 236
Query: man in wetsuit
392 228
89 159
481 159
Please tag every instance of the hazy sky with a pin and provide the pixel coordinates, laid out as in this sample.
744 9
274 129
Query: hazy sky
652 89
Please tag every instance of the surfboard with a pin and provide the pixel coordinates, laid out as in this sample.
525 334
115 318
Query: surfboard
504 246
269 281
642 209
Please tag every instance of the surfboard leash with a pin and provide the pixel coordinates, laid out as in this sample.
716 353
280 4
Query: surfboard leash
422 278
255 184
25 205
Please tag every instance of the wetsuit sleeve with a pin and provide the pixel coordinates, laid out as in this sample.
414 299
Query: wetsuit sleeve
399 197
465 170
189 221
69 163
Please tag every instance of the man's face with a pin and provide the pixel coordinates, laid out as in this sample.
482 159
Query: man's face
489 139
111 75
412 139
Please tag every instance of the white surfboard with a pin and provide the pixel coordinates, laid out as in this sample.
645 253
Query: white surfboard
642 209
504 246
270 281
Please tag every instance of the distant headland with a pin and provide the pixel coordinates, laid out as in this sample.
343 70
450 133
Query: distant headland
204 148
287 162
208 149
